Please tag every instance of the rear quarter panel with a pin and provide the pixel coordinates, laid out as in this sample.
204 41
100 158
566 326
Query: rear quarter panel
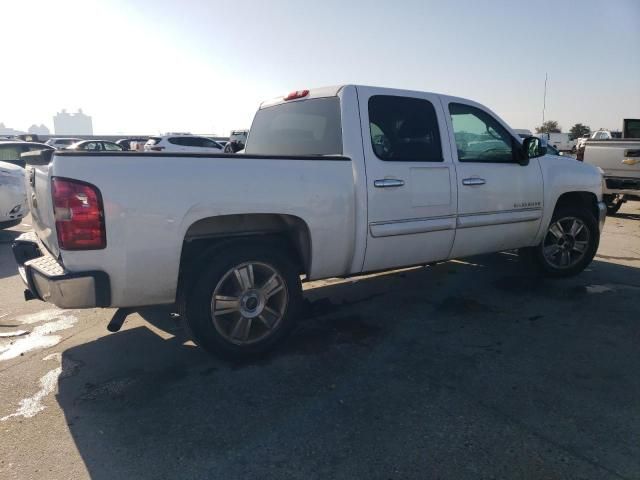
151 201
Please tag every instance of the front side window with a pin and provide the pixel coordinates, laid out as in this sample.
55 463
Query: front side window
404 129
112 147
479 137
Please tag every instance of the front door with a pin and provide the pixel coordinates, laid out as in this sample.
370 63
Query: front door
411 180
499 199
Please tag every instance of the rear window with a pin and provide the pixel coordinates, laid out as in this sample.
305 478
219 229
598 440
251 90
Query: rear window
308 127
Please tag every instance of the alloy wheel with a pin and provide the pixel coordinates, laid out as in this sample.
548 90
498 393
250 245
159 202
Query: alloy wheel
249 302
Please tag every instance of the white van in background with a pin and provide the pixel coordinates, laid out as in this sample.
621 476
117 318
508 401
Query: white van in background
561 141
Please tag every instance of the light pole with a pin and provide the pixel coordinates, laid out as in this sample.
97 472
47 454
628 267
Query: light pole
544 98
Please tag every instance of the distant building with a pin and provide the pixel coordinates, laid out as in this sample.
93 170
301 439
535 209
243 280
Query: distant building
72 123
6 131
38 129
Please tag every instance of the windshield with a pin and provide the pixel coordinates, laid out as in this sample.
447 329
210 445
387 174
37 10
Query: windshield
308 127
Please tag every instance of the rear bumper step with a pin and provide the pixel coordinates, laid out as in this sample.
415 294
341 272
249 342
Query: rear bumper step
47 279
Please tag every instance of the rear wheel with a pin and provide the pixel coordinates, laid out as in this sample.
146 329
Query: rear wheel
613 202
569 245
245 301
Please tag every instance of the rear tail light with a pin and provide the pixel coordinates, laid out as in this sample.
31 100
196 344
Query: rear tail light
156 149
297 94
79 215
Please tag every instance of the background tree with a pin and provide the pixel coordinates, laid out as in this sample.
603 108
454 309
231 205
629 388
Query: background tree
579 130
550 126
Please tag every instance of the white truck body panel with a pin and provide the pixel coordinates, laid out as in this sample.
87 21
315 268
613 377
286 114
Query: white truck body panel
151 200
146 226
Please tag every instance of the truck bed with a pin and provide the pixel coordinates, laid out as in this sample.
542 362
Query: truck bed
152 199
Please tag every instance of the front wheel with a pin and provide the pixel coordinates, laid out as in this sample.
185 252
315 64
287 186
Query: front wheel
245 301
569 245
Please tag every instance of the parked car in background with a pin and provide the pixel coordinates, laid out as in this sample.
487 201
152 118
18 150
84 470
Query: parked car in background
58 143
231 242
10 151
239 136
182 143
135 143
581 141
95 146
237 141
601 135
551 150
523 132
13 195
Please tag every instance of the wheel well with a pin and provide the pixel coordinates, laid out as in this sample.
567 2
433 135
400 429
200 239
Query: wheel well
586 200
207 234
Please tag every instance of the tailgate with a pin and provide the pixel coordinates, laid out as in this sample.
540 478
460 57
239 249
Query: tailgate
618 158
38 164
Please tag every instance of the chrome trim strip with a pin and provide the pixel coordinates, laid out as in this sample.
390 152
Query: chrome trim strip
499 218
411 226
450 222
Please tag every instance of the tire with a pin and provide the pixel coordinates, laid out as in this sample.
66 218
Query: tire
579 248
239 316
613 202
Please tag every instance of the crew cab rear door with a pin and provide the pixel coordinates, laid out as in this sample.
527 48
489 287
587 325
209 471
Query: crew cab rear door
411 180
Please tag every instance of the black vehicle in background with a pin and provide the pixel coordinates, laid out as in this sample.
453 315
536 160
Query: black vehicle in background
95 146
133 143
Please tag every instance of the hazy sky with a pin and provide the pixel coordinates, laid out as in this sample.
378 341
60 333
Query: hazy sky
149 66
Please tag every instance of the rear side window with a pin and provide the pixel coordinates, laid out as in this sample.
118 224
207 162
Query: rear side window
404 129
154 140
307 127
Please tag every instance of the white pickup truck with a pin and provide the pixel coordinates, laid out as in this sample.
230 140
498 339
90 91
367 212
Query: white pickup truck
619 159
333 182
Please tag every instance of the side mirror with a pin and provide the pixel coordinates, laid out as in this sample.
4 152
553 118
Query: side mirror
533 148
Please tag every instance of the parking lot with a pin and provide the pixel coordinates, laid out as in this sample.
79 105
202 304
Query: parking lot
464 369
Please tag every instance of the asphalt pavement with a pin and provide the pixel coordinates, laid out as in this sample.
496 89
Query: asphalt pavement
467 369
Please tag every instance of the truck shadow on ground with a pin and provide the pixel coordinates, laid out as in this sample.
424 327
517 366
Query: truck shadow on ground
458 370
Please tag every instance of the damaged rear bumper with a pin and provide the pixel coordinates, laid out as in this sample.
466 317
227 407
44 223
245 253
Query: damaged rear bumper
46 278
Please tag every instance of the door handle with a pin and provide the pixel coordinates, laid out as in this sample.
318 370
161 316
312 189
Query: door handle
388 182
473 181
